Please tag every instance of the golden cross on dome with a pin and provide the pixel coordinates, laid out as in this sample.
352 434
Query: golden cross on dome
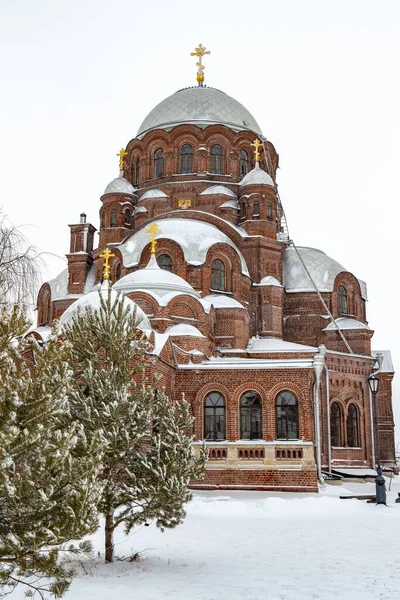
153 229
106 254
200 51
256 145
122 153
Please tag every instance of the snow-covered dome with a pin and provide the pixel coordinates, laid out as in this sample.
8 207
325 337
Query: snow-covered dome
270 280
199 106
218 189
155 281
183 329
257 176
194 237
220 301
321 267
120 185
346 323
92 299
154 193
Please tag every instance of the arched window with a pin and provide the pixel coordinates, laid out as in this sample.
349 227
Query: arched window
250 416
217 159
336 425
244 163
165 262
242 210
214 416
256 210
342 300
127 217
287 421
158 163
186 159
103 220
352 427
137 171
118 272
269 211
218 275
114 216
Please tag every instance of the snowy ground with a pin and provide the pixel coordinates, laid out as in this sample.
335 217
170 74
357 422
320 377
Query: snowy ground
258 546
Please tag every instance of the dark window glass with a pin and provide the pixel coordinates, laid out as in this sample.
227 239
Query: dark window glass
256 210
214 416
137 172
218 275
244 163
114 216
217 159
287 422
127 217
186 159
242 210
269 211
118 272
342 300
158 163
352 427
250 416
336 425
103 220
165 262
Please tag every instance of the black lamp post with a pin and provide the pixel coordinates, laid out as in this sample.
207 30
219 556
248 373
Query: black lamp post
373 382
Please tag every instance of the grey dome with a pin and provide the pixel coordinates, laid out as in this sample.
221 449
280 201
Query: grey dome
120 185
257 176
199 106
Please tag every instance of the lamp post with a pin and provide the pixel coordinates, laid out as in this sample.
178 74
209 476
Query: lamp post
373 382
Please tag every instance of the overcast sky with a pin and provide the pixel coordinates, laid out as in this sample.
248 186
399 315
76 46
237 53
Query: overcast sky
320 77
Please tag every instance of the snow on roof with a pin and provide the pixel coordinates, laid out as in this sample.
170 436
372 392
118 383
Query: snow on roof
269 280
92 299
257 176
183 329
230 204
154 193
346 323
322 268
252 363
218 189
59 285
140 209
194 237
220 301
276 345
43 330
120 185
387 364
159 282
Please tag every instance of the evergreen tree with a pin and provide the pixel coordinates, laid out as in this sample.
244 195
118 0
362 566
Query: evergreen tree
146 438
48 471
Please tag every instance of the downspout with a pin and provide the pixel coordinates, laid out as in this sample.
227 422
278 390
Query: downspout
328 419
378 362
318 366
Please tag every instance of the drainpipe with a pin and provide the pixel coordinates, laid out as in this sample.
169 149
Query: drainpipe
318 366
378 363
322 351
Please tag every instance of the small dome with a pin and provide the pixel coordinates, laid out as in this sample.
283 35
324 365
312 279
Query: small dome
92 299
183 329
346 323
218 189
154 193
221 301
201 106
269 280
120 185
257 176
158 282
230 204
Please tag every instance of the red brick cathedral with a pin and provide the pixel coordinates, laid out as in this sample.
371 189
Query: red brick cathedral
269 342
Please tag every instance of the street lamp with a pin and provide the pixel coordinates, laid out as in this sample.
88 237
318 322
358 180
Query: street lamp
373 382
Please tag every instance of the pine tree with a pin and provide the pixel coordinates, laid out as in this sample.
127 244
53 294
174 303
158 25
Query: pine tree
48 471
146 439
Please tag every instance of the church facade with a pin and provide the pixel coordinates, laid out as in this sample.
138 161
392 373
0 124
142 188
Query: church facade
268 342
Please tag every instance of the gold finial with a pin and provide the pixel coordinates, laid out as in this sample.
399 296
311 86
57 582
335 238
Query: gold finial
106 254
256 145
153 229
200 51
122 153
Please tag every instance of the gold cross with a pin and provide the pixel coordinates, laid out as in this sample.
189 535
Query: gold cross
200 51
153 229
106 254
256 145
122 153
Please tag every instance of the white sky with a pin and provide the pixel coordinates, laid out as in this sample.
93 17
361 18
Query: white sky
320 77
